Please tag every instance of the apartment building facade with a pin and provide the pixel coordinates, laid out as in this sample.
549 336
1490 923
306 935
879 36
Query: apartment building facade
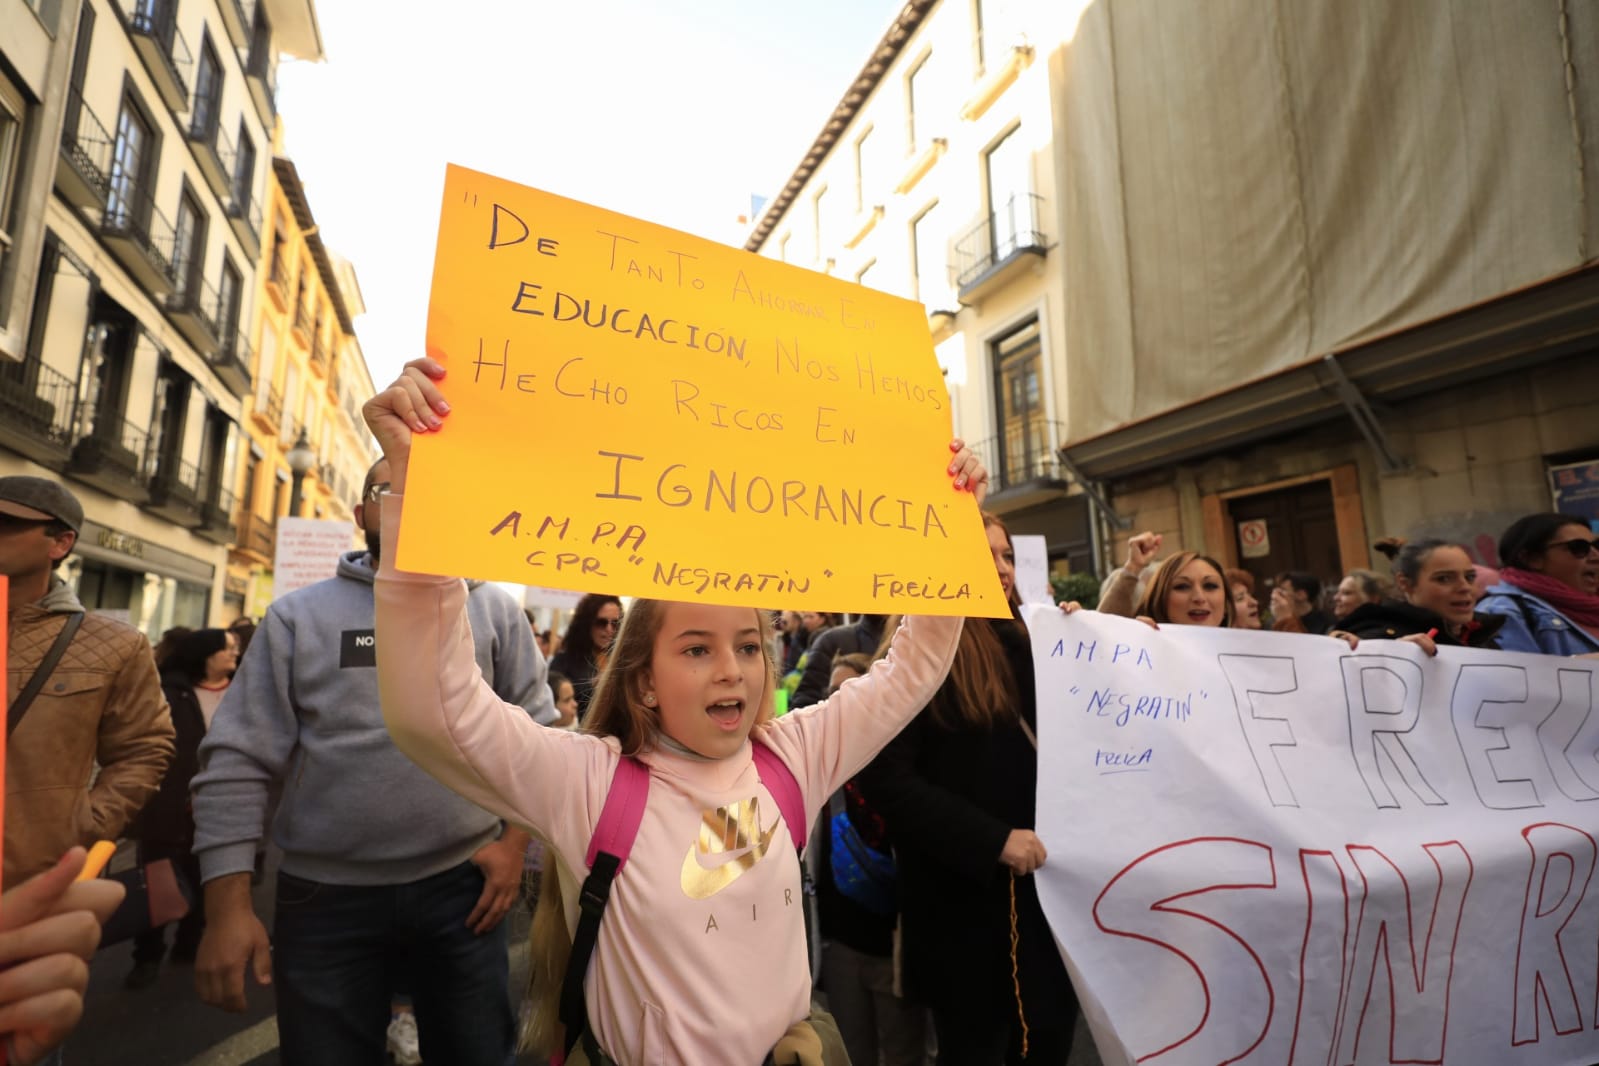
135 166
935 179
309 381
1337 272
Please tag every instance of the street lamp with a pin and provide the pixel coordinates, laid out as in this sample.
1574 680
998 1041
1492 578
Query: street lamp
301 459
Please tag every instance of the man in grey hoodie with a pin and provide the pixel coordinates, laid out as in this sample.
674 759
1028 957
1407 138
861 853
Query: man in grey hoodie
388 877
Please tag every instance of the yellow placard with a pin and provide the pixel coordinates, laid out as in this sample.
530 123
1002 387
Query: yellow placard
642 412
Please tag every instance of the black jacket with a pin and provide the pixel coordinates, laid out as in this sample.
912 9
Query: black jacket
862 636
1392 619
168 818
950 798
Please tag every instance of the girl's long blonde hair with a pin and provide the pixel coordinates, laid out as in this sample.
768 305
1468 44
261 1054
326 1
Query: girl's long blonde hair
616 710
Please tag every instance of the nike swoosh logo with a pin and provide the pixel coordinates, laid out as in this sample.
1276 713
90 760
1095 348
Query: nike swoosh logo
733 831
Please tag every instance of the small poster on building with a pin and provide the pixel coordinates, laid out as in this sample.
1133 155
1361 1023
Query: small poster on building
1253 540
1032 569
308 551
1576 490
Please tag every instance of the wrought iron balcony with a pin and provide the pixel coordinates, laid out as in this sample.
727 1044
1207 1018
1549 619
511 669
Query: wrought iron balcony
36 408
319 352
245 217
83 173
213 150
260 74
195 308
140 236
257 535
268 413
111 455
153 27
278 277
1004 242
231 362
238 16
302 320
175 491
1022 460
216 515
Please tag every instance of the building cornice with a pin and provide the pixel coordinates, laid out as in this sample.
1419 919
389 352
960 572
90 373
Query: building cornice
294 192
888 48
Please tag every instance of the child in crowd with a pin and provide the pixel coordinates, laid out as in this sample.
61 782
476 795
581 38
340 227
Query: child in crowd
701 956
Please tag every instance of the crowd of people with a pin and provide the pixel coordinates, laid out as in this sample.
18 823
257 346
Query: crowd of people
425 759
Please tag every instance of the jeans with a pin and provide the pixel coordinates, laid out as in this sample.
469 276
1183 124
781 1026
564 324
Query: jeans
340 951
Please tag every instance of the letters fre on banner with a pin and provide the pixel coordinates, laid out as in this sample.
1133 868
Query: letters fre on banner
641 412
1267 848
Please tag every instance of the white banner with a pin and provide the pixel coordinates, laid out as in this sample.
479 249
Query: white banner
308 551
1032 568
1267 849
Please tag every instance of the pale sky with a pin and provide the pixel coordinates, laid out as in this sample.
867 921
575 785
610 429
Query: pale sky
671 112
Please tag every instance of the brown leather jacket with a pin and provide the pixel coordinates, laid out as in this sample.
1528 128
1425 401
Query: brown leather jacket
102 704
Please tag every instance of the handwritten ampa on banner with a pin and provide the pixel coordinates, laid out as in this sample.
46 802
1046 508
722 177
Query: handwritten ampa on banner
1266 848
642 412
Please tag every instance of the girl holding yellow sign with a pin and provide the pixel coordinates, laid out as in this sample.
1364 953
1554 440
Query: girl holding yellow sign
682 786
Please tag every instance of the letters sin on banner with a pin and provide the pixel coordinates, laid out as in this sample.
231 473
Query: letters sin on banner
641 412
1267 848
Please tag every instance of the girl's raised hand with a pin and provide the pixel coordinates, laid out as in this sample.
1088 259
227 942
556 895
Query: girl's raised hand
968 471
413 404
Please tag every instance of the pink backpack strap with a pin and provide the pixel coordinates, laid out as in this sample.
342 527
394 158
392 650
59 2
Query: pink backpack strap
622 813
780 782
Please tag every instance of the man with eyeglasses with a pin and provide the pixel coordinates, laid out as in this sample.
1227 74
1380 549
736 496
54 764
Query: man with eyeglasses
389 882
1548 591
81 688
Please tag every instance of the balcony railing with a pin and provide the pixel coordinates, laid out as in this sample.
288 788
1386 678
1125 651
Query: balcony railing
238 16
245 218
257 535
1002 238
141 237
195 307
213 150
1023 455
232 361
260 74
161 45
302 322
84 175
175 490
269 412
216 515
112 454
36 411
319 352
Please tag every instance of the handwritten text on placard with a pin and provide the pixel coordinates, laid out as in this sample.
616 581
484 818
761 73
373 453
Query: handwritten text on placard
1319 855
638 411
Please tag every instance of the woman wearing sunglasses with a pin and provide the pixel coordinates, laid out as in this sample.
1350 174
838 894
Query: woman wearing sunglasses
588 638
1548 591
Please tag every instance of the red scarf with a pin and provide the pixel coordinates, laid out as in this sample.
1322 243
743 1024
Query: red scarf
1579 607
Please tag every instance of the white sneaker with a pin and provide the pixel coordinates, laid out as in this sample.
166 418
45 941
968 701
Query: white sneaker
402 1039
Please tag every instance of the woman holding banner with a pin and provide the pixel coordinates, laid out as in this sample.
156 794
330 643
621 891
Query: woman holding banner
1548 591
956 790
1437 604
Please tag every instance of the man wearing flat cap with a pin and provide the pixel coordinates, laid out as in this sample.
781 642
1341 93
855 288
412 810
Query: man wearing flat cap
81 689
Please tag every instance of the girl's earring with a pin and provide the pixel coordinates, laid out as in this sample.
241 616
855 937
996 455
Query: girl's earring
649 699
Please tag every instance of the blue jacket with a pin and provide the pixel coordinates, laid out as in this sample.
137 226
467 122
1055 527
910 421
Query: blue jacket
1533 625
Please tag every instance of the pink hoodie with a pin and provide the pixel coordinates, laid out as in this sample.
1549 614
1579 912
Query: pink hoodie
701 958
